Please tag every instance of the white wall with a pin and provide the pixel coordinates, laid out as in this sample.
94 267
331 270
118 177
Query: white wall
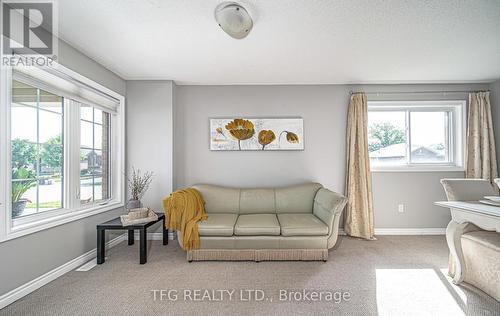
150 135
324 109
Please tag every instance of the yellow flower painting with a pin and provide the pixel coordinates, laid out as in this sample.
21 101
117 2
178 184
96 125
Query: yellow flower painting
244 134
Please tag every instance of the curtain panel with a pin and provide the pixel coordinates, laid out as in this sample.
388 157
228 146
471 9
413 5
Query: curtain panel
358 216
480 158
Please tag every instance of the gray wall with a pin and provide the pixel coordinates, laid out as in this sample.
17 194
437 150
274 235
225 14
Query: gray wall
26 258
150 135
324 109
73 59
417 191
495 112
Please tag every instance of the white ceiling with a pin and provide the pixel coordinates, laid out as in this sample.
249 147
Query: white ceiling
292 42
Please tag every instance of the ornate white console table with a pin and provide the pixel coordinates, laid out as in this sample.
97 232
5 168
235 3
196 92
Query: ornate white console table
486 217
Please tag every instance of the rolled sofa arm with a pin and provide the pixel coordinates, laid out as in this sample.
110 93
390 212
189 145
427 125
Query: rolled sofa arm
328 207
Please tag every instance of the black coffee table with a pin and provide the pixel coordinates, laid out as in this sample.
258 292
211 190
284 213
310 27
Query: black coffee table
116 224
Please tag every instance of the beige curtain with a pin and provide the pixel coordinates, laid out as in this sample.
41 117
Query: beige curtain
480 155
358 216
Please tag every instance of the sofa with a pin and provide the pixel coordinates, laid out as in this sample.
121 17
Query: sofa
298 222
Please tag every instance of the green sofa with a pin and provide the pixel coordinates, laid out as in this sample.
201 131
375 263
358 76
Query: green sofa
291 223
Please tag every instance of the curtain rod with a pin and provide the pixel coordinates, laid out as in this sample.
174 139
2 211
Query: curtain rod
419 92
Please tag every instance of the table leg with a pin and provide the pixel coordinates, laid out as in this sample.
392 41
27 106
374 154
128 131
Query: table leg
100 245
143 245
165 233
130 237
454 232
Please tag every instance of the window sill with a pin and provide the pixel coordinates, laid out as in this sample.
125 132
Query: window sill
419 169
61 218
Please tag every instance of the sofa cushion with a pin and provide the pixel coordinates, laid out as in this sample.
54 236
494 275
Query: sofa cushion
296 199
487 239
302 225
257 201
257 225
218 225
219 199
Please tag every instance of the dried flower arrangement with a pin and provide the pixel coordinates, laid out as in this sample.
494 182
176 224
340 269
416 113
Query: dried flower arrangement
139 183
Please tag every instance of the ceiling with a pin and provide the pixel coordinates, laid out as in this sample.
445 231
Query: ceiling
292 42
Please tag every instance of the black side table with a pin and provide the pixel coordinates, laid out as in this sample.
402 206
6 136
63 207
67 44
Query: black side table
116 224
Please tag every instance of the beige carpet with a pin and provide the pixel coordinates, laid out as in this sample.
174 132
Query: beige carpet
391 276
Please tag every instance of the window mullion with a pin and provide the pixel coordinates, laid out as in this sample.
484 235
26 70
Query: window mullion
72 154
450 139
37 162
95 155
408 137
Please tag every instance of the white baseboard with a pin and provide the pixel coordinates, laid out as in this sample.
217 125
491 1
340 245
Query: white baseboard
405 231
25 289
410 231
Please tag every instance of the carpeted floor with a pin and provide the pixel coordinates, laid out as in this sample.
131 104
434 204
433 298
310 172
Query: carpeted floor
403 275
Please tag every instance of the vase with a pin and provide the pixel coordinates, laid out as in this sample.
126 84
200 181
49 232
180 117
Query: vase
18 208
134 204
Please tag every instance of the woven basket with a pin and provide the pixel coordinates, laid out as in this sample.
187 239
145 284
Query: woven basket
134 219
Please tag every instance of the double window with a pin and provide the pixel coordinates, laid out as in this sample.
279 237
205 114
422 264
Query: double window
60 135
416 135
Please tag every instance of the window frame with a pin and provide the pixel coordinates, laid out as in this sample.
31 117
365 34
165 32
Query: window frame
456 133
13 228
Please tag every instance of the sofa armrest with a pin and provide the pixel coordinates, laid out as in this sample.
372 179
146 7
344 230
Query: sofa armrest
328 207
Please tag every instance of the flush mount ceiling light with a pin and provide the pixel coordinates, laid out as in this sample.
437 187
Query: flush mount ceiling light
233 19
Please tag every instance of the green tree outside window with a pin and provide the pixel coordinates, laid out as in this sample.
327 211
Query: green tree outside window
384 135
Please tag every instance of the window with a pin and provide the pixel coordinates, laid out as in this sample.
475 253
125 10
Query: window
59 131
416 135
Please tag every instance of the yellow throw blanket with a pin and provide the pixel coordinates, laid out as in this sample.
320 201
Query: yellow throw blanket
183 210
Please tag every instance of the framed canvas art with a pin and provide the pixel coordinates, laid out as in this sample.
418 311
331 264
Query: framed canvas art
256 134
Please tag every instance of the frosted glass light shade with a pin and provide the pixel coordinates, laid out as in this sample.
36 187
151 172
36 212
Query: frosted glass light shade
233 19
